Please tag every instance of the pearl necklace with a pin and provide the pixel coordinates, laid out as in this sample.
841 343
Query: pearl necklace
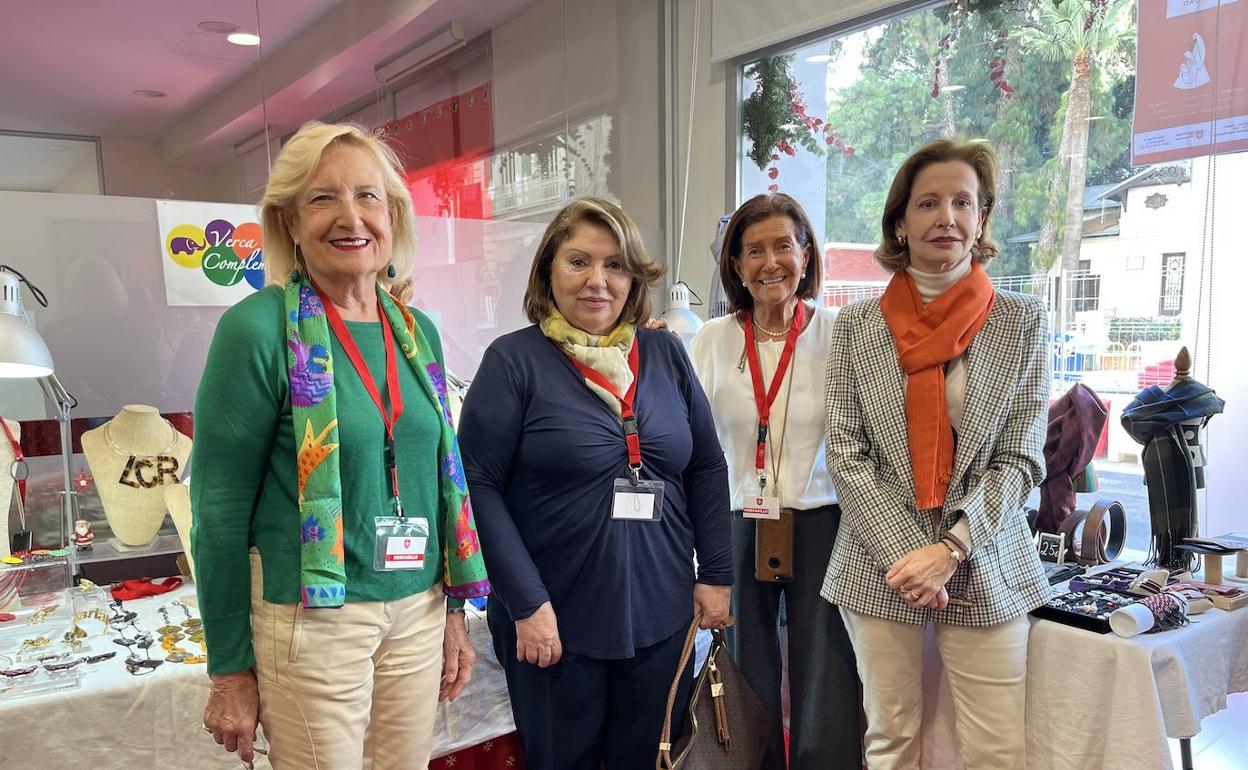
780 333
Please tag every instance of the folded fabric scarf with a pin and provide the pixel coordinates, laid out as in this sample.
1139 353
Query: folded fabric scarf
606 354
322 569
926 339
1151 419
1155 410
1075 424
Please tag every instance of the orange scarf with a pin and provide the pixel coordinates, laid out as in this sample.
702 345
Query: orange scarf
927 338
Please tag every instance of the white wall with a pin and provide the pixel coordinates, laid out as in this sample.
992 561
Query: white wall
712 170
133 167
83 177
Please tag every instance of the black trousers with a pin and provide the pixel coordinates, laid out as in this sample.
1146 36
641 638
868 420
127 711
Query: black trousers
824 700
586 714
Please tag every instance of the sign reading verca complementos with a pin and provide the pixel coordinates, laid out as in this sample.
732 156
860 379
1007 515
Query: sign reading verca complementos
212 253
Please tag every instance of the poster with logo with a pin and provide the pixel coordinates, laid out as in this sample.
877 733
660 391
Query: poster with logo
1191 88
212 252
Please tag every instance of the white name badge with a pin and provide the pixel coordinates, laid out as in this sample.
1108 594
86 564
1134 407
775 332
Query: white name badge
637 500
400 543
761 507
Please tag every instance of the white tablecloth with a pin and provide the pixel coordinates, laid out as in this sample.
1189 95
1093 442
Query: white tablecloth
116 721
1101 702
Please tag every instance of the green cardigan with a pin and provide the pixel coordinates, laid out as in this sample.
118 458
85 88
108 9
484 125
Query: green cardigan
244 490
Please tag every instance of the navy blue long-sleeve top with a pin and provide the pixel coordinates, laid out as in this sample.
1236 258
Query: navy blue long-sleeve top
542 453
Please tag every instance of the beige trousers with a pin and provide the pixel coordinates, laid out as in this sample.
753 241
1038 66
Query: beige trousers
987 670
340 685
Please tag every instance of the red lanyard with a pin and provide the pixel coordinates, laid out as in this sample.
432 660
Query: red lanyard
389 419
764 402
627 416
19 459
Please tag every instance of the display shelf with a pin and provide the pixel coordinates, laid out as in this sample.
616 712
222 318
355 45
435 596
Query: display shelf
104 550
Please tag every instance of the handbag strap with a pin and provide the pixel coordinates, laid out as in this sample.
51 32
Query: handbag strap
664 760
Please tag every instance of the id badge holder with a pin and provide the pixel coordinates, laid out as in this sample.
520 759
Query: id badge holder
637 499
758 501
399 542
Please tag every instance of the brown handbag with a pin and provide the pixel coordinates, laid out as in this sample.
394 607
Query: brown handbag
726 727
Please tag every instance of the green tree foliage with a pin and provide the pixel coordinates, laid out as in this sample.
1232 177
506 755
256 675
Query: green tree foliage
1012 93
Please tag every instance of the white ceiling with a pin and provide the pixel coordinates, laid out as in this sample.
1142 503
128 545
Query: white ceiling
71 66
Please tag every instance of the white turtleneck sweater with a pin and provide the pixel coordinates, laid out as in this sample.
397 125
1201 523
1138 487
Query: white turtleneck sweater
931 286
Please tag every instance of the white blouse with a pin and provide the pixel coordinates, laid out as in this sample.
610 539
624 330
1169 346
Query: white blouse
720 365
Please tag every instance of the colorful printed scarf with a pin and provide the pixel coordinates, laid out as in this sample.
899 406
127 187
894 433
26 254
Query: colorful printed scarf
926 338
606 354
322 560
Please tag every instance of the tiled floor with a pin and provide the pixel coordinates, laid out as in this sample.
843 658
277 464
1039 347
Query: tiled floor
1223 740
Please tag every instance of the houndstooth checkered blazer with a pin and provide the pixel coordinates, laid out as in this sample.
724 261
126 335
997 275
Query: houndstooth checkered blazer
999 458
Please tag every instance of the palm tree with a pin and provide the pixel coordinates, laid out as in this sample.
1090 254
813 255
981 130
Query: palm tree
1085 33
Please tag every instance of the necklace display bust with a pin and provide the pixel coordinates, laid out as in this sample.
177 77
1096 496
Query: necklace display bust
133 457
7 483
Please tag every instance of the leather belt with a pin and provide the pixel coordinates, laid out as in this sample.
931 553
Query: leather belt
1096 546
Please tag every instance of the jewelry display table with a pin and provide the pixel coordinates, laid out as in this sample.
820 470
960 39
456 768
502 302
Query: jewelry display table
116 721
1101 702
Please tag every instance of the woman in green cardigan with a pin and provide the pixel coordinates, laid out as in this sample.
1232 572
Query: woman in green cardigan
331 517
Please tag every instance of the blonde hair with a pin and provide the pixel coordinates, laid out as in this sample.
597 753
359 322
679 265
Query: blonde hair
291 171
539 297
892 254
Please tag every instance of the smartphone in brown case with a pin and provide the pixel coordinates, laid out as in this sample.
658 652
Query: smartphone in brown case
773 548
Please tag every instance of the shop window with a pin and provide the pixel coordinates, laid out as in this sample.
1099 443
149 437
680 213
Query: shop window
830 122
1172 284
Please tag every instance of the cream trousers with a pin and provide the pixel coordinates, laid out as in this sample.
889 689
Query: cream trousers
987 670
340 685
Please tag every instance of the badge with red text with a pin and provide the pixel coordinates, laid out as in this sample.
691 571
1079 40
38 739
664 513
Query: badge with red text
400 542
761 507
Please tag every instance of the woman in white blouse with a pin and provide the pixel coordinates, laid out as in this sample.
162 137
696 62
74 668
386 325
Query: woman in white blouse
763 367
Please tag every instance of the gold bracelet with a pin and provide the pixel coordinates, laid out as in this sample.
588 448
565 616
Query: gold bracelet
41 614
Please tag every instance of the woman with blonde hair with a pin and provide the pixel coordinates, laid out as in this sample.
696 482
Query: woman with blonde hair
331 517
937 396
596 475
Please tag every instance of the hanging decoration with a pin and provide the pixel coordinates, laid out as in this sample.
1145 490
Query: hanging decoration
775 118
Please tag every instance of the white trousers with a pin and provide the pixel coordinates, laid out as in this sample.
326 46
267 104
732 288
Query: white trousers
339 685
987 670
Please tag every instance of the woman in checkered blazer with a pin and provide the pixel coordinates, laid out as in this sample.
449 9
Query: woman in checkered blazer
937 394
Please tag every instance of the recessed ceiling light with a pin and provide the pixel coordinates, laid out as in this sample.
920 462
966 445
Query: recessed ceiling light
819 58
244 38
56 147
148 93
218 27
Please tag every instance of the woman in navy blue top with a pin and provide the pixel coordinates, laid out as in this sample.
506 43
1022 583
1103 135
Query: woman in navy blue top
593 574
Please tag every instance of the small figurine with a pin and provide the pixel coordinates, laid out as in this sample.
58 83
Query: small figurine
83 536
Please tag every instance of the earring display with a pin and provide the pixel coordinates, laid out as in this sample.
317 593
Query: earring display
75 639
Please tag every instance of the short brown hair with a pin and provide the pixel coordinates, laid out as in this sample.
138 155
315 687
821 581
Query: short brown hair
539 297
892 254
757 209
